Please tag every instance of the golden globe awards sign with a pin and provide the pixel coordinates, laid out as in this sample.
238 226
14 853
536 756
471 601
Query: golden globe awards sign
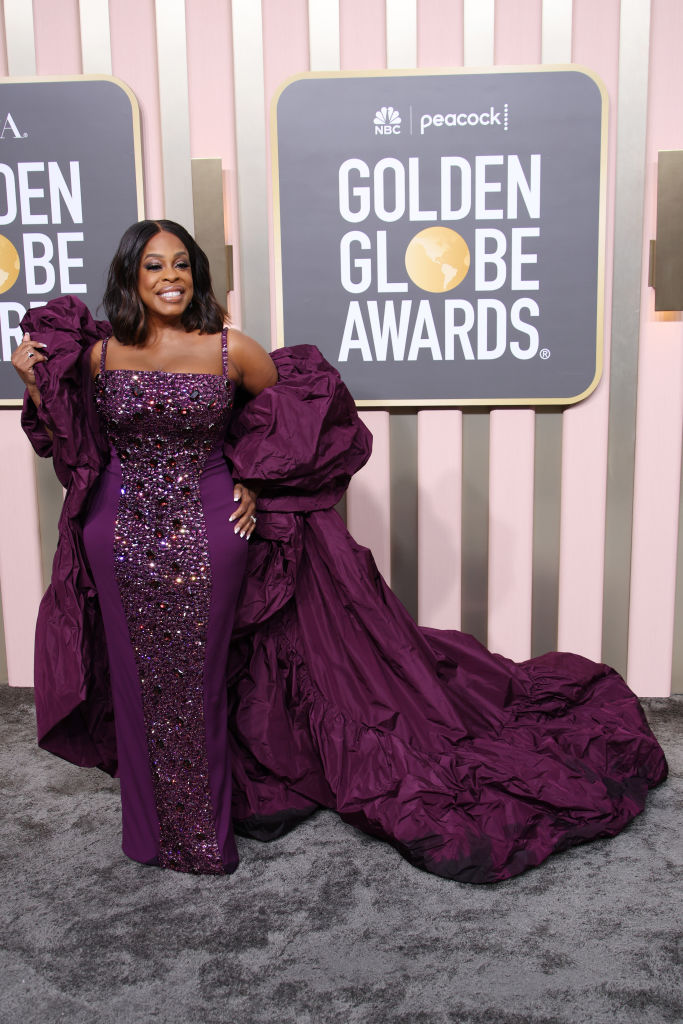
70 183
440 236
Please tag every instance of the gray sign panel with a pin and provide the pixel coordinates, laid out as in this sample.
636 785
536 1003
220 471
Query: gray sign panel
441 235
70 183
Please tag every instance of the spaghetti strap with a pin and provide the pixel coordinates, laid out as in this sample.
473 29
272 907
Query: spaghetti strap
224 349
103 354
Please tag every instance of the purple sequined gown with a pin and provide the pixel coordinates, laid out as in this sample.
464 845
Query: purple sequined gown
168 568
474 767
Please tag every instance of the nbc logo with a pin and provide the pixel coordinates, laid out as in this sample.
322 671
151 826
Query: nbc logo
387 121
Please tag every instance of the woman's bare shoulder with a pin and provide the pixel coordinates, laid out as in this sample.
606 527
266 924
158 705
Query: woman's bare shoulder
240 339
255 368
95 355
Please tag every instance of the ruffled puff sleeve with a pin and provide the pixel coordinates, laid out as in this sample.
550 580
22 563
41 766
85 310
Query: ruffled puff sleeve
66 409
301 440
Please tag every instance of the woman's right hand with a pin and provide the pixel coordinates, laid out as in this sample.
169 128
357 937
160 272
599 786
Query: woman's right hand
24 359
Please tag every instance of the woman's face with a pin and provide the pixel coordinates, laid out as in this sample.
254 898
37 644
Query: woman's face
165 277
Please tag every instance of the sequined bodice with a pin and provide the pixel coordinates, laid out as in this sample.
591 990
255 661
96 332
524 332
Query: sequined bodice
160 418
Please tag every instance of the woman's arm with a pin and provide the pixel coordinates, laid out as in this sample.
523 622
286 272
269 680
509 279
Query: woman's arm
24 359
255 372
255 369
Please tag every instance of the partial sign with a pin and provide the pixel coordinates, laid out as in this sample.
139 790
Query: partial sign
441 236
70 184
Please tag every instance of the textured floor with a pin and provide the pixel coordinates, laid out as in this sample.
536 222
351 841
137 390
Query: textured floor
325 925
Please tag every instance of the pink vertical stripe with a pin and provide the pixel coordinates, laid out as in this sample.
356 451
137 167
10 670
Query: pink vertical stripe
439 33
660 396
439 498
362 34
439 432
134 59
3 48
212 123
362 44
57 36
584 443
280 22
517 32
511 450
368 501
511 523
20 568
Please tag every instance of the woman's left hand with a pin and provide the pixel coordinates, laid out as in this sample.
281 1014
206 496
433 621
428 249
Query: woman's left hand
244 516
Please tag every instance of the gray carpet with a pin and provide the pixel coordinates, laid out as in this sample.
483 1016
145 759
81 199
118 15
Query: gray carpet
325 925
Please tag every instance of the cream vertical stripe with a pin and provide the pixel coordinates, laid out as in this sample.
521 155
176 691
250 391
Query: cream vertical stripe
323 35
250 131
439 431
324 55
556 32
401 33
478 21
478 31
175 111
95 37
634 45
21 53
556 48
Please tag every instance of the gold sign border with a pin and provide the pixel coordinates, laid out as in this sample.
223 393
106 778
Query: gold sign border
442 403
10 403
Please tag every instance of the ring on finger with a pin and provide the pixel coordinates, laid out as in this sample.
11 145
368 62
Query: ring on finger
30 353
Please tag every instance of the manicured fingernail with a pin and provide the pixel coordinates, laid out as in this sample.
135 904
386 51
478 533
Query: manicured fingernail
232 517
235 497
242 533
237 529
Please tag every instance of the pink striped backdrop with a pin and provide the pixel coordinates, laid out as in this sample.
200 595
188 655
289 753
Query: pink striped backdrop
362 26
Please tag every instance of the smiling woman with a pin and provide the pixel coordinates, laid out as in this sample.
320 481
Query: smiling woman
285 668
166 565
165 276
154 261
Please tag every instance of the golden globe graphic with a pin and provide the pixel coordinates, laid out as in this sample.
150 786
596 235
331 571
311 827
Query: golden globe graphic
440 237
9 264
437 259
60 217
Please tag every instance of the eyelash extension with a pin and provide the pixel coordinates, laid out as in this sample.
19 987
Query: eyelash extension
157 266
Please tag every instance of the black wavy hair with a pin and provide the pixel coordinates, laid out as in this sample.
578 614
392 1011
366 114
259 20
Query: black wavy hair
122 304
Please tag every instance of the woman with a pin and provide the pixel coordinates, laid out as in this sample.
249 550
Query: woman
473 767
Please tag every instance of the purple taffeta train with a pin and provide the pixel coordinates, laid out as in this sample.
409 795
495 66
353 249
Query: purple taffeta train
246 686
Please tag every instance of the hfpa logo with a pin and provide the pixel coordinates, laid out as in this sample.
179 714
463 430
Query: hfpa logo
387 121
9 130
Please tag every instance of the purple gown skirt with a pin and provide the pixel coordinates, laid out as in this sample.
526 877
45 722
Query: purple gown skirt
141 808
